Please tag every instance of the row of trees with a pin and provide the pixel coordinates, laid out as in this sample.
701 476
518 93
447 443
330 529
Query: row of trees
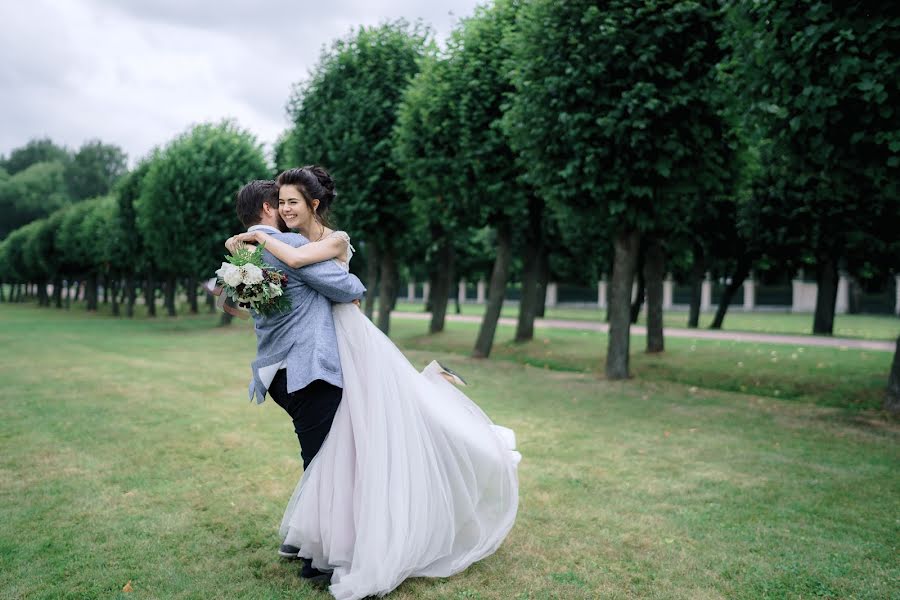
40 177
622 137
573 138
162 224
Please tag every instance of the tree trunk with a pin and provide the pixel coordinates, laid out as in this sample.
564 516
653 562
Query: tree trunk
440 288
654 272
534 248
150 295
225 320
395 284
211 303
371 280
169 296
130 295
191 290
43 297
540 292
57 291
855 297
496 293
641 290
698 272
826 296
627 246
2 297
741 272
113 283
892 399
91 292
387 291
69 292
433 283
105 280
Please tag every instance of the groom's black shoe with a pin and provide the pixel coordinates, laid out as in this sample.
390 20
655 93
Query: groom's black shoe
314 576
289 552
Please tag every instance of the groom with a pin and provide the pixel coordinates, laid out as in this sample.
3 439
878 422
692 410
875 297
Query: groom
297 359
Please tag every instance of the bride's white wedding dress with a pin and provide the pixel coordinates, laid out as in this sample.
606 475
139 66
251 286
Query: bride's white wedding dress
413 480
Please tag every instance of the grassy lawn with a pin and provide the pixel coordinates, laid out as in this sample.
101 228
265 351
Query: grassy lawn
838 377
129 453
871 327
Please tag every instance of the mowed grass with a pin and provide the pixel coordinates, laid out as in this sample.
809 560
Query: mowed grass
128 452
838 377
870 327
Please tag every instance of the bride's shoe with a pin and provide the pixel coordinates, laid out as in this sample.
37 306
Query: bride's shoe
451 376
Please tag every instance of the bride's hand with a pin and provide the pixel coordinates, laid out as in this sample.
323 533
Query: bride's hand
241 240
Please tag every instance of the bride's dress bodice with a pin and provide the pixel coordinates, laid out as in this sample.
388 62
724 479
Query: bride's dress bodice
344 261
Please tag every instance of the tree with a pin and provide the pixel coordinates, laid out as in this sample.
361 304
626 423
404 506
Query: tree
32 193
37 257
343 118
78 236
94 169
284 151
611 114
35 151
819 80
488 175
131 259
425 152
13 260
186 206
892 397
96 236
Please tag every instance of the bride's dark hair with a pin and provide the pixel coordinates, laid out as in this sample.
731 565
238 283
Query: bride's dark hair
314 183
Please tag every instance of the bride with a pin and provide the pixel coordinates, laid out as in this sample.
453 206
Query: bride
413 480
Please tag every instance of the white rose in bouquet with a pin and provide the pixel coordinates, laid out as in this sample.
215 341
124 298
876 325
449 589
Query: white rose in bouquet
230 274
251 274
251 283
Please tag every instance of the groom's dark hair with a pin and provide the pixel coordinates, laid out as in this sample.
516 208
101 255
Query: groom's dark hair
250 200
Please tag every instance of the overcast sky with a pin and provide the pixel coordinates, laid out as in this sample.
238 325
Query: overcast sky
138 72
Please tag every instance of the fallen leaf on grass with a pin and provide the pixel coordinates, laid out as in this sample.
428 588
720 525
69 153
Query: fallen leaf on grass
128 587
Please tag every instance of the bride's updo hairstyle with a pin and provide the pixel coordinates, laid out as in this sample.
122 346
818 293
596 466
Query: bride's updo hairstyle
314 183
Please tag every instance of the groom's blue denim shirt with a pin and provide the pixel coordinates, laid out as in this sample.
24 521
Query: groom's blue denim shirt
303 341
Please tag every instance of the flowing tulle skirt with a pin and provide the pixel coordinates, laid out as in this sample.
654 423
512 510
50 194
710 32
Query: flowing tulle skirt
413 480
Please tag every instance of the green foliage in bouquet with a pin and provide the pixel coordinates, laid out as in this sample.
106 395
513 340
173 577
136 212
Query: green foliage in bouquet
252 283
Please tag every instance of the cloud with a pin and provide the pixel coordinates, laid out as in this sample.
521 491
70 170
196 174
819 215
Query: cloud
139 73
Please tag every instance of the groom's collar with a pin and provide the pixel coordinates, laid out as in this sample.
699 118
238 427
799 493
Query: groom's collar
266 228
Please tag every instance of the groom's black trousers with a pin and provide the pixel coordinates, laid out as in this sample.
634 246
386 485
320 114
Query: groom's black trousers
311 408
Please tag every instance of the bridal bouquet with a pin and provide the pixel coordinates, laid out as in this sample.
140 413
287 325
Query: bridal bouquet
253 284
